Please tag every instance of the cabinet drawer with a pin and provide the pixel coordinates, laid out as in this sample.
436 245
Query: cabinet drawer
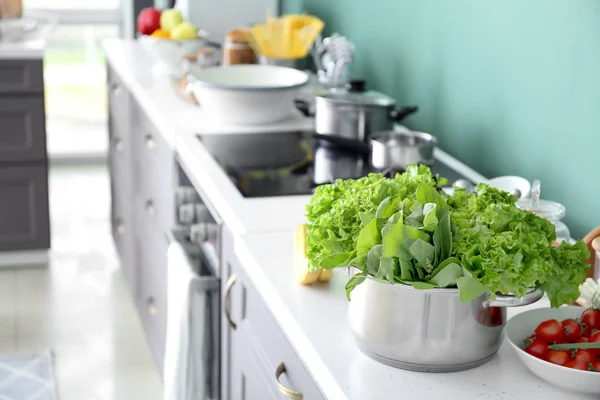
24 216
256 324
17 76
22 128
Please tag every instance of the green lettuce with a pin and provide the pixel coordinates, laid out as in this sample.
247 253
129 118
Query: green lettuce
336 212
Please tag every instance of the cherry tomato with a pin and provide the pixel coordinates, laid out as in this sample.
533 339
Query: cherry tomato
582 340
577 364
559 357
594 367
590 319
572 330
585 355
594 338
538 348
551 331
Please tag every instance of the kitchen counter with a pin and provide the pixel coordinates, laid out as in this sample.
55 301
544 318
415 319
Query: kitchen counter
314 320
28 48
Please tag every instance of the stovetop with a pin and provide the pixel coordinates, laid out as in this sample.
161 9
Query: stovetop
289 163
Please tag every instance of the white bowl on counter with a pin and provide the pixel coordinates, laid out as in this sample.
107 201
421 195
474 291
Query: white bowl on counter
523 325
510 183
169 53
247 94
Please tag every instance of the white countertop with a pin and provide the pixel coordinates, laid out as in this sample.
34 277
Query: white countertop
314 320
28 49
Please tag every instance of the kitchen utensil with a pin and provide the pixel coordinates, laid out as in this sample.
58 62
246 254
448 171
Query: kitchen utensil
355 112
523 325
515 185
390 150
247 94
428 330
332 55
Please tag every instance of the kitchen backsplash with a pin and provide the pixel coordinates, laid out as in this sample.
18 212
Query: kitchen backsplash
509 87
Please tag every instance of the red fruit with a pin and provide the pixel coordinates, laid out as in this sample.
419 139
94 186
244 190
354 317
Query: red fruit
582 340
572 330
585 355
594 338
559 357
148 21
590 319
577 364
594 367
538 348
551 331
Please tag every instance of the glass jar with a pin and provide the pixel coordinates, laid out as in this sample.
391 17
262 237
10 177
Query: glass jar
236 49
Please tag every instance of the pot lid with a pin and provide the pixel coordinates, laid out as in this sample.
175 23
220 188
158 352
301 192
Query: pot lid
355 93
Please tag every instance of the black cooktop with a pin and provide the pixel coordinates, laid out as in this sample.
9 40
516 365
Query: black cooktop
289 163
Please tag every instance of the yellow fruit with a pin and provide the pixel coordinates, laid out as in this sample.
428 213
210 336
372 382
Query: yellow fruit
161 34
301 272
184 31
325 275
170 18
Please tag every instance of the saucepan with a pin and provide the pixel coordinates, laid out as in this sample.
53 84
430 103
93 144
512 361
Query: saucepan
390 150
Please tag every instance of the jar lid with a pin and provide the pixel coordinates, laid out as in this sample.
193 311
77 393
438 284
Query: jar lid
355 93
550 210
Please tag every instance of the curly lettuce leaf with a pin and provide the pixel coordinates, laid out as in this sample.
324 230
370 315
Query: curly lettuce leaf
562 284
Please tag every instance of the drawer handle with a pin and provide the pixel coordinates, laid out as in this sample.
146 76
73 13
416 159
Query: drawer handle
150 208
292 394
119 145
150 142
152 309
226 294
120 228
116 89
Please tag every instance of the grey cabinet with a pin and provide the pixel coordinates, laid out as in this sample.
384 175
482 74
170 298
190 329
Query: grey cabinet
24 207
24 216
255 328
22 126
141 175
21 76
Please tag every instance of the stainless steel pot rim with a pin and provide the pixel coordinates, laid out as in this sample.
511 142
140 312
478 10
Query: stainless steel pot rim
338 97
404 135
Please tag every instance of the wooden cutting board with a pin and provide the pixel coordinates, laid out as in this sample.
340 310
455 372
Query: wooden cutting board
11 8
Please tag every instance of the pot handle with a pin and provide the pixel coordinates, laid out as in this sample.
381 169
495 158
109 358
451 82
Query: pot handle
503 300
344 143
304 107
400 114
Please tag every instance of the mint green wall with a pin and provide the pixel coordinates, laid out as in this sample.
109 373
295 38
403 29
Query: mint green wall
510 87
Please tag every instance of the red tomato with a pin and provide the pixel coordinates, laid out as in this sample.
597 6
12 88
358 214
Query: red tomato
572 330
594 338
551 331
585 355
559 357
582 340
590 319
577 364
538 348
595 367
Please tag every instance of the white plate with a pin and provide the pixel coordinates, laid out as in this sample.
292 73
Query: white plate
523 325
509 183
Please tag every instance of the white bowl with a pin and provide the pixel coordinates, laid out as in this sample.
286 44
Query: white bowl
509 183
170 52
523 325
247 94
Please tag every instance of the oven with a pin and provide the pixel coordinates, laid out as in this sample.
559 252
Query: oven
192 356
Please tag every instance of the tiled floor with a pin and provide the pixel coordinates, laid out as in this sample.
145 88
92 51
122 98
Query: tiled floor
79 306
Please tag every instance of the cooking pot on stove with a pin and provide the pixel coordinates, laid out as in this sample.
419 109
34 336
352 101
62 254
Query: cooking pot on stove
390 150
355 112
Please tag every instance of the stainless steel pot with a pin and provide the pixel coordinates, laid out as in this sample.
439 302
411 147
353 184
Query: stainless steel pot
428 330
355 113
390 150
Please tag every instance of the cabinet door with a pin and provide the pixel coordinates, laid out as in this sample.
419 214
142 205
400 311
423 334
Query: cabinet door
25 223
254 323
21 76
22 128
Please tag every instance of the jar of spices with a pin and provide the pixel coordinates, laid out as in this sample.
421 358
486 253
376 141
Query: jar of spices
236 49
